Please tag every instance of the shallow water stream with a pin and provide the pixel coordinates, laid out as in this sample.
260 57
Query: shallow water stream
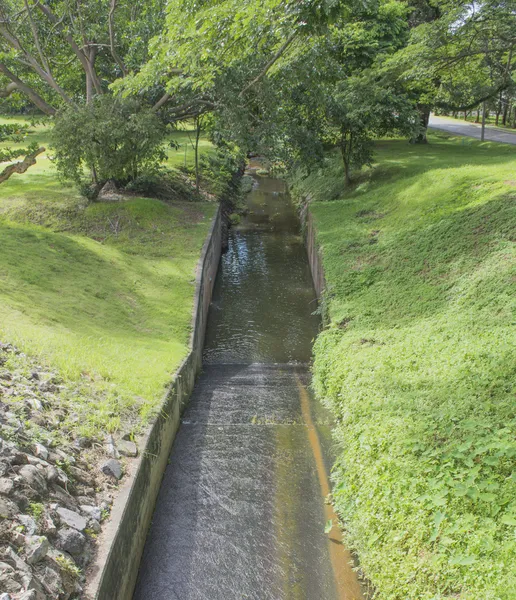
241 512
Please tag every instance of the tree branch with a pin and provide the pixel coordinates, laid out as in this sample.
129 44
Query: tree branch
34 97
163 100
15 43
22 166
8 90
35 35
111 24
81 55
275 58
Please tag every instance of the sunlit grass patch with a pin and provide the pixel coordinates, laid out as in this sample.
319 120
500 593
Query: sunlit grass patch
103 291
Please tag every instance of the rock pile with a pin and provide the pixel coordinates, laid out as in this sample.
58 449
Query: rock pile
55 490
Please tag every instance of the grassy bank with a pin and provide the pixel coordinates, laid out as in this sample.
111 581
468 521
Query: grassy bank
103 292
418 364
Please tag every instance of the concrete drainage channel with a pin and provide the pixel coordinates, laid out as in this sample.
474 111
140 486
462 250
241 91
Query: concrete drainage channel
241 511
113 574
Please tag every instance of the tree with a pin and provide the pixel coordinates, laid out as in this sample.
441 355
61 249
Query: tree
460 59
111 138
63 53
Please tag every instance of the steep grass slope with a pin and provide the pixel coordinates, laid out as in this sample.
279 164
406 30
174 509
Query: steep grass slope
418 364
103 291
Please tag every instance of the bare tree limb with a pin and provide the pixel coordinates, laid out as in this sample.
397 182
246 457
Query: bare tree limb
274 59
81 55
111 24
35 35
22 166
8 90
15 43
163 100
34 97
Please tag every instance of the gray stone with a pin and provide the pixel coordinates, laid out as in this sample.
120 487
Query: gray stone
8 509
83 442
36 549
10 585
5 568
94 526
52 474
31 527
72 519
47 525
92 511
109 193
40 451
6 486
127 448
19 458
29 595
111 447
53 582
30 583
71 541
19 563
17 538
112 468
35 404
81 475
34 478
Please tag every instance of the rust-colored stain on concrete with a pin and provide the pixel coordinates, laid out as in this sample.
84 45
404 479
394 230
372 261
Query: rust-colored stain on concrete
346 581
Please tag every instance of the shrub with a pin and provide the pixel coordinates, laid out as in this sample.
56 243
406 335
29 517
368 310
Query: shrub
112 138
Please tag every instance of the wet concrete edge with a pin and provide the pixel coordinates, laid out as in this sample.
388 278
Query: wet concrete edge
312 249
113 574
314 252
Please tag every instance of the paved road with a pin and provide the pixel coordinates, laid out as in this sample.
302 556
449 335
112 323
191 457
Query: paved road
471 130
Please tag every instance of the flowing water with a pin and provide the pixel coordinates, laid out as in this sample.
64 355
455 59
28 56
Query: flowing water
241 513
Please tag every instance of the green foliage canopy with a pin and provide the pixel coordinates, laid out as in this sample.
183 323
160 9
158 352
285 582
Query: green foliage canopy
114 139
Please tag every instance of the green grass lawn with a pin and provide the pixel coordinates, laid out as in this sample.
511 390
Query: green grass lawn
103 291
418 363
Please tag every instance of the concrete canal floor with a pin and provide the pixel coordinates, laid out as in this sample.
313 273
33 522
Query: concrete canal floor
241 511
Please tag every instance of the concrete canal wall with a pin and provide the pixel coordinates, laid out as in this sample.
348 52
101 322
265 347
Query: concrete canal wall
312 249
114 572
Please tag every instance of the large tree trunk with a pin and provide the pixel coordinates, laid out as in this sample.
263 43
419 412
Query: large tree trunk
506 111
424 116
345 149
22 166
35 98
91 54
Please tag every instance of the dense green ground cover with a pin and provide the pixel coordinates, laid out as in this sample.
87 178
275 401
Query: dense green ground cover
418 364
103 291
